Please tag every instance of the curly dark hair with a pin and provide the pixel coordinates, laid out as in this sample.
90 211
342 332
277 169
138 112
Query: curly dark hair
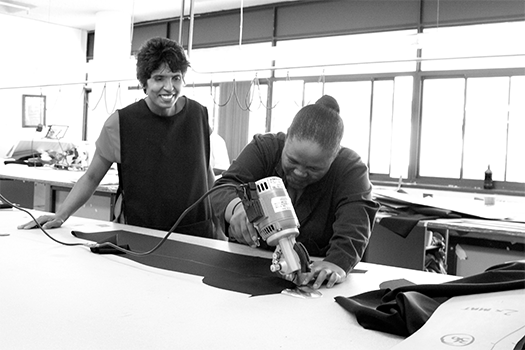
157 51
319 122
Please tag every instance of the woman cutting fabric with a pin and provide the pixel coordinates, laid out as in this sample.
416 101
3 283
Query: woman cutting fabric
328 184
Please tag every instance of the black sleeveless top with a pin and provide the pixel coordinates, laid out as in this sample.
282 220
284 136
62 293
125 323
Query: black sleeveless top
164 167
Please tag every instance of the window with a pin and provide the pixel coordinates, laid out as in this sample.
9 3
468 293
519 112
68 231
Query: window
287 101
515 167
442 128
391 127
483 46
258 108
377 118
208 97
346 54
469 124
227 63
354 102
472 106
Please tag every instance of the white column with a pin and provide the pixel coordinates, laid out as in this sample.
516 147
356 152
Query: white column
112 48
111 69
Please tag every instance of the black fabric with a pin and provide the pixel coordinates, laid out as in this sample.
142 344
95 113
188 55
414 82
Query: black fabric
403 224
234 272
405 309
407 218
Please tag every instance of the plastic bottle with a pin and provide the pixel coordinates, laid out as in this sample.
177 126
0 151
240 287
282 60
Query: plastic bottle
488 183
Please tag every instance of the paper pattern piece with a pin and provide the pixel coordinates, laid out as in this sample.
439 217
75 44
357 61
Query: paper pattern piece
493 321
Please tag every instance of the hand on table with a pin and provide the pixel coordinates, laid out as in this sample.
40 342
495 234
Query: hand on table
322 271
46 221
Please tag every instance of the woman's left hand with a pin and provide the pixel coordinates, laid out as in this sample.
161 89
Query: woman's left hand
324 271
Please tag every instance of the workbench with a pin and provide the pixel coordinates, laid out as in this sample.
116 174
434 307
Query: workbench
481 243
471 245
475 244
61 297
45 188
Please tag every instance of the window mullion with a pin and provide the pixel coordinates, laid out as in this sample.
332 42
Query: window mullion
463 128
415 132
507 131
371 122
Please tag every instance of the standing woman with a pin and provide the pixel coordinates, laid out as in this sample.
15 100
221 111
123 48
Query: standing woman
161 145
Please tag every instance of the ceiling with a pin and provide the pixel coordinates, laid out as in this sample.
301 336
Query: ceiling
82 13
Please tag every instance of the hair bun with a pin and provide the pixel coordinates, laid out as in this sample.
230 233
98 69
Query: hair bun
328 102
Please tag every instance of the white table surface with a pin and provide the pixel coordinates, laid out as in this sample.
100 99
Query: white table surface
58 297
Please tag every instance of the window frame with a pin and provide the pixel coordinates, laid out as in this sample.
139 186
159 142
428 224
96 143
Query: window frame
464 185
413 179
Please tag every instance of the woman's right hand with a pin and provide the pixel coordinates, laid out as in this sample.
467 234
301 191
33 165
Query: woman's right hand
46 221
241 229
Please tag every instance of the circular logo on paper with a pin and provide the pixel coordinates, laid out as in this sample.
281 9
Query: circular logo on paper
457 339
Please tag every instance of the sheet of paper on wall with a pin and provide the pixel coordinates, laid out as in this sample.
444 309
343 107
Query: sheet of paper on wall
493 321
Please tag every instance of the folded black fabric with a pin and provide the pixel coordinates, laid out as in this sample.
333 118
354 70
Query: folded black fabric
407 218
403 224
403 310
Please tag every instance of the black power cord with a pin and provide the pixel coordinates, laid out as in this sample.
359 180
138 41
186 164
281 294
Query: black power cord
16 206
96 247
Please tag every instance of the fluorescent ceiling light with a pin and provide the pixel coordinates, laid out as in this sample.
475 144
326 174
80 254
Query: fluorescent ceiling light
15 6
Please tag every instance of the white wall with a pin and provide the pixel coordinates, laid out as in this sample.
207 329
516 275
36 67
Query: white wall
36 53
